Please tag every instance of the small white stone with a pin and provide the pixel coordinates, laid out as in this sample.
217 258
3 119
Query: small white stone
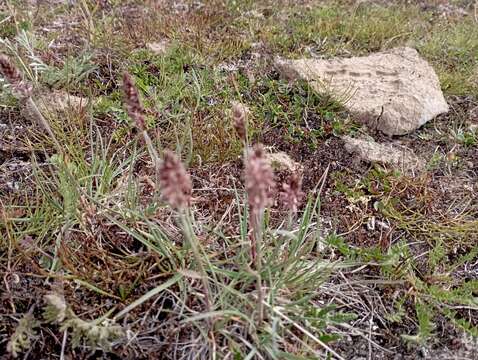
51 104
283 162
159 47
371 151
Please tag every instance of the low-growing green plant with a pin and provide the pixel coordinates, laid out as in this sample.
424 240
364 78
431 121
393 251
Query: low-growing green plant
152 258
425 325
431 298
261 294
25 332
72 74
100 332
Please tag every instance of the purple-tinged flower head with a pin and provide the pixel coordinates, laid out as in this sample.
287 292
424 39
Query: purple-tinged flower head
133 103
259 179
239 119
14 77
176 186
292 192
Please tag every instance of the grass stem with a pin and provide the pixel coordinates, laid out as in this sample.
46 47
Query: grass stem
195 247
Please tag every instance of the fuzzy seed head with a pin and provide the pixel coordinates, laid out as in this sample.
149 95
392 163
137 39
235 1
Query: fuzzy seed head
56 307
175 181
259 179
133 103
292 192
14 77
239 118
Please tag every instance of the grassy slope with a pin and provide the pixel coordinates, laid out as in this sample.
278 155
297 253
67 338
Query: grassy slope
87 225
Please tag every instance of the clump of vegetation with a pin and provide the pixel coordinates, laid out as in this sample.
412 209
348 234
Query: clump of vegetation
150 222
20 340
98 333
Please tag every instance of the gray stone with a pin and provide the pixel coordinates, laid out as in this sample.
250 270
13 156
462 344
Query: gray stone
397 157
159 47
54 104
280 161
395 91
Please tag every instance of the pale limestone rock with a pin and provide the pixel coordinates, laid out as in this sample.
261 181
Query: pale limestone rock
159 47
280 161
54 104
397 157
395 91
